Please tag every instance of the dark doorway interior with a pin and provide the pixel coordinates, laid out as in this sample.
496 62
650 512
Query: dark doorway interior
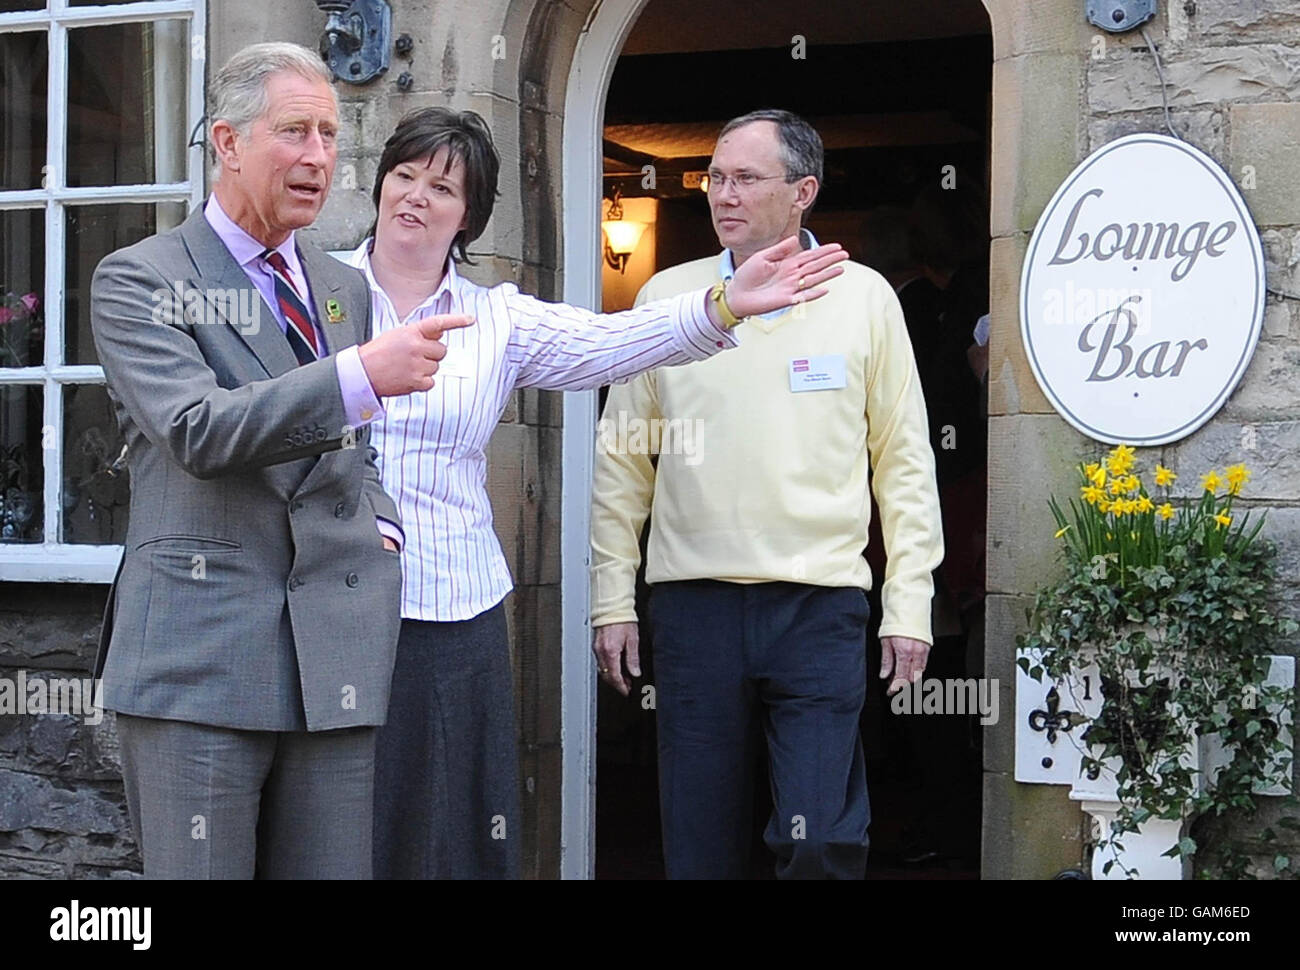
902 101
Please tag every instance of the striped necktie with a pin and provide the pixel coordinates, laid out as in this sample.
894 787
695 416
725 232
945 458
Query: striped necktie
301 333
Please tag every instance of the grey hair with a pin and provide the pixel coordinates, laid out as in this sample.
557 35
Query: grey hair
238 91
801 146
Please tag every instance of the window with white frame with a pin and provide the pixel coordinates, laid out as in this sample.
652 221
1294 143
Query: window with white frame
98 100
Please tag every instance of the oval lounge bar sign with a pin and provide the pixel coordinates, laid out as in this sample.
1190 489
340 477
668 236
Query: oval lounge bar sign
1142 294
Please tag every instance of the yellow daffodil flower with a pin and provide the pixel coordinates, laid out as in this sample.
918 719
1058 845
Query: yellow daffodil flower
1238 475
1061 532
1117 486
1165 511
1132 484
1092 494
1164 477
1211 481
1120 460
1223 519
1103 505
1097 476
1144 504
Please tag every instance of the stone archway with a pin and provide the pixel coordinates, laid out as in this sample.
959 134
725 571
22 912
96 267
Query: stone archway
1038 135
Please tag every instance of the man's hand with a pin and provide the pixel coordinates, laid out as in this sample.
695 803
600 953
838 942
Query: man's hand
405 359
613 643
906 657
781 275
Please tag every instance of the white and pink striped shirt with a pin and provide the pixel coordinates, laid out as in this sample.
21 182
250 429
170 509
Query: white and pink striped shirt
433 444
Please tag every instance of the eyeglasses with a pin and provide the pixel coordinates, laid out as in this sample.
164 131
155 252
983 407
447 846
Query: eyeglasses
743 181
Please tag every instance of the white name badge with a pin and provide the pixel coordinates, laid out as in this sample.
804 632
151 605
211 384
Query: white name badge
817 373
455 364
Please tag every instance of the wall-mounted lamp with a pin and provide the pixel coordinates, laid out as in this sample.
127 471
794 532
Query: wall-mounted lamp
621 236
356 39
1118 16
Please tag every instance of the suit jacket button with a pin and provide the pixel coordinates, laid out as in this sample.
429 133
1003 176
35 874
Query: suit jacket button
338 511
295 582
352 579
295 506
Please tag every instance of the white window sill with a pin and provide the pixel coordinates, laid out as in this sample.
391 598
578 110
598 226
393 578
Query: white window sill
39 563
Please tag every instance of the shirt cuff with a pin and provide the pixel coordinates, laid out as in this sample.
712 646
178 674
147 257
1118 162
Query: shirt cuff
697 335
390 530
360 405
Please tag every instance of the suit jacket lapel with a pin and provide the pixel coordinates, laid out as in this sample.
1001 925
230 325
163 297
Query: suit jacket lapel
325 278
218 271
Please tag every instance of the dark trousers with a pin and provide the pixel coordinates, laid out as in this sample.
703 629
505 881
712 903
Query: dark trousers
219 803
447 762
789 658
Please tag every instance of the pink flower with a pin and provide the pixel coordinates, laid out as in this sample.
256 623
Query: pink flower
5 314
31 301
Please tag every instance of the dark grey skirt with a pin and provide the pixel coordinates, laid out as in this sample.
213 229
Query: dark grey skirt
446 762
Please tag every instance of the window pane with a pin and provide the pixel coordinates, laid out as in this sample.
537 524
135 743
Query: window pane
24 71
94 231
95 489
127 98
12 6
22 474
22 287
100 3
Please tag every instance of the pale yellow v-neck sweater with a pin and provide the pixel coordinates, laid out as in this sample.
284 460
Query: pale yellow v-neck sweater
757 483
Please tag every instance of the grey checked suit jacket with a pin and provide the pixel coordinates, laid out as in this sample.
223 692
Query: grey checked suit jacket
255 591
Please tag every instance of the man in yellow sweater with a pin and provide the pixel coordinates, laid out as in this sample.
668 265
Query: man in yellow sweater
760 510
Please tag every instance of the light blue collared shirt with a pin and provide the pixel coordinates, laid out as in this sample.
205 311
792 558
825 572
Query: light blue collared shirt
727 267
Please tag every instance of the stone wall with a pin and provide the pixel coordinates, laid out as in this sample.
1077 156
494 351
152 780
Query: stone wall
1062 90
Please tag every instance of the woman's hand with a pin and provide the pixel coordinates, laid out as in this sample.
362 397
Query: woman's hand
781 275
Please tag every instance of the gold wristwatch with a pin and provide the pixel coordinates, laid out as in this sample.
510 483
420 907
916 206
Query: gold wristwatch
718 297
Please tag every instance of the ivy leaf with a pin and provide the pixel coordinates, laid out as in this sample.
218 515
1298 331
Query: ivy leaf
1280 862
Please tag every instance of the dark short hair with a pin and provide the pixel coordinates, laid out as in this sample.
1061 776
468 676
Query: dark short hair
801 147
465 135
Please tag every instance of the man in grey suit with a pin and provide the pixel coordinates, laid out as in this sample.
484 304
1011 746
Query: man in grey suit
249 640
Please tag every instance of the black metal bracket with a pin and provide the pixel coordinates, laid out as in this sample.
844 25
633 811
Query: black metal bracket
357 38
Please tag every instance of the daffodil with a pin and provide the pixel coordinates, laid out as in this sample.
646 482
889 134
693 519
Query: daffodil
1120 460
1224 519
1132 484
1211 481
1097 475
1164 477
1103 505
1238 475
1092 494
1117 486
1165 511
1144 504
1061 532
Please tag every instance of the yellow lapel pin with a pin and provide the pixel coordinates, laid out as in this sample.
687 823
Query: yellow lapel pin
333 311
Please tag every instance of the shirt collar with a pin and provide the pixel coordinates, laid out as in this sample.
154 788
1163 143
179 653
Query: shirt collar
449 285
727 267
242 246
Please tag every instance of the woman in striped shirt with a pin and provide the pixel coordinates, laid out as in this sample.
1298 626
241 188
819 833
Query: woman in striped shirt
446 778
